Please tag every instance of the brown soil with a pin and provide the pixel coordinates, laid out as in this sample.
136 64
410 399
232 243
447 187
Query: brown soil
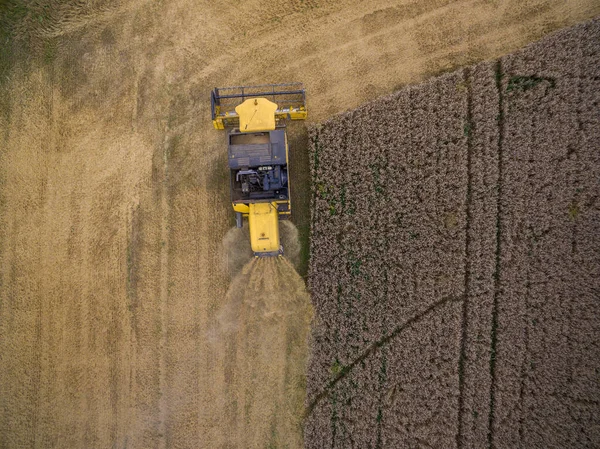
114 198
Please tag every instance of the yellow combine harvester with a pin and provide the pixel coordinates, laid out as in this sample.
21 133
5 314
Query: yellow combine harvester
258 155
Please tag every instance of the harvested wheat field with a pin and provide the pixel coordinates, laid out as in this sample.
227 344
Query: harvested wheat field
455 258
114 201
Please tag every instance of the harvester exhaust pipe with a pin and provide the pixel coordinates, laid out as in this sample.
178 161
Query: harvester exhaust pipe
238 220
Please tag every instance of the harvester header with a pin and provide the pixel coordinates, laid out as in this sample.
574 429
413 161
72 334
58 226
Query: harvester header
289 100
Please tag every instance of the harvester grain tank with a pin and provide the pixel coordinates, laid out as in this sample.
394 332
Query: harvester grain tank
258 155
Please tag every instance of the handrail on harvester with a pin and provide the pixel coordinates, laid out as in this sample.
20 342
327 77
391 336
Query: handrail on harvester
289 97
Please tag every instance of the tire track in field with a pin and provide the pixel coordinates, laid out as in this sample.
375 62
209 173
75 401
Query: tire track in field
527 298
468 213
164 296
481 216
497 273
38 361
346 369
41 306
133 231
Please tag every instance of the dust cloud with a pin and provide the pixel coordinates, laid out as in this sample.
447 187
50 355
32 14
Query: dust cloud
288 234
237 251
262 330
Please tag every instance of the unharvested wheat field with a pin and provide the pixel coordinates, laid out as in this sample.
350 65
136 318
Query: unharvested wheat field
114 199
455 255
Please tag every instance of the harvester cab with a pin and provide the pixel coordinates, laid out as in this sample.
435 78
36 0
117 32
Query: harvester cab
257 145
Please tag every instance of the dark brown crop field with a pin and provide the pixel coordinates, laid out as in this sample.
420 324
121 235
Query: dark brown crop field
455 258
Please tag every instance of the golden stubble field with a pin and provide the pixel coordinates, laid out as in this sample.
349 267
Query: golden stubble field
114 197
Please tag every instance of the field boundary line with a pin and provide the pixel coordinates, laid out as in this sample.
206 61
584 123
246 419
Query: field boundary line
345 370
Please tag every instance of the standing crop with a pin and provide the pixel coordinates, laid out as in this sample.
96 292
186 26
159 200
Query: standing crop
455 258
